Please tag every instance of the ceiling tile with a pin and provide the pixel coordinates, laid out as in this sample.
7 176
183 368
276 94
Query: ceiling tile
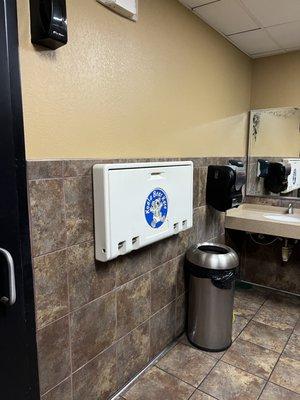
286 35
226 16
196 3
273 12
254 42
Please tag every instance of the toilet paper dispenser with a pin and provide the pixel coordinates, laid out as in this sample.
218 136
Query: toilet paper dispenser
224 185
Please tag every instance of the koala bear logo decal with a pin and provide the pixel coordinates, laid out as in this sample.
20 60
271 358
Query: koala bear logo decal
156 208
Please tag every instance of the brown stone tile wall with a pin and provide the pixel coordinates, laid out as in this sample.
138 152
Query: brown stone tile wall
273 201
98 324
263 265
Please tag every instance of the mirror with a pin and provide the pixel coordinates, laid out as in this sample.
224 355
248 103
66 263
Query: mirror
274 152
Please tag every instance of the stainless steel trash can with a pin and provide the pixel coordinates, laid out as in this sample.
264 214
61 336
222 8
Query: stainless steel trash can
212 270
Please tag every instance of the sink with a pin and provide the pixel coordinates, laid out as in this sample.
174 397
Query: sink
264 219
284 218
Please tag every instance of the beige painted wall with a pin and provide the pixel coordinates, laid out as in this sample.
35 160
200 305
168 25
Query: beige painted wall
167 85
276 81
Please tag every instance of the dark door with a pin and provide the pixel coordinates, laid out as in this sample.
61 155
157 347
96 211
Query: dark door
18 365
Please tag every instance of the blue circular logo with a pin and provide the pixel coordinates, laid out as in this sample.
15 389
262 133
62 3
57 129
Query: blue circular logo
156 208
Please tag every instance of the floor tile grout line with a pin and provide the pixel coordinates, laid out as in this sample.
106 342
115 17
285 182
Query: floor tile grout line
201 391
257 311
271 307
123 390
176 342
174 376
272 325
234 340
198 387
266 382
242 369
215 365
248 322
155 362
239 333
258 345
209 357
220 360
192 394
180 379
281 387
281 354
217 361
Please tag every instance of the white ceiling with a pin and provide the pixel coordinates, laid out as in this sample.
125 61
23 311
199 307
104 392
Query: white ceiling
257 27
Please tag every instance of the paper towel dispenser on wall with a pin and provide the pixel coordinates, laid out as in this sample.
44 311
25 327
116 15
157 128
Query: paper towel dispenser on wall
140 203
48 23
276 180
294 176
224 185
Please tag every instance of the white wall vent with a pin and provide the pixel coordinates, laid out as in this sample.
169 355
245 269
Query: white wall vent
127 8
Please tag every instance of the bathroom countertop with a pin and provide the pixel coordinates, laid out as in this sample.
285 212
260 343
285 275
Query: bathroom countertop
255 218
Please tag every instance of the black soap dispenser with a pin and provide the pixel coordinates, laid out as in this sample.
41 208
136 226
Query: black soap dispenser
224 185
276 180
49 23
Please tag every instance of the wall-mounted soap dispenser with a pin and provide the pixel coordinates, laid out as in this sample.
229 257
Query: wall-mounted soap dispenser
224 185
48 23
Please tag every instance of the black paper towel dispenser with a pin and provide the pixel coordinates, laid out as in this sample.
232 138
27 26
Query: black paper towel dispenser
224 185
48 23
276 180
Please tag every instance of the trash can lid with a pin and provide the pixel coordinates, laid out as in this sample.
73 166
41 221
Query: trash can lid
212 256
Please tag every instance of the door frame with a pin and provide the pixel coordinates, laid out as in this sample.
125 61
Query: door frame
21 182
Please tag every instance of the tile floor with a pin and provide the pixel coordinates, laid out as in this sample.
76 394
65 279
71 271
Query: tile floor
262 363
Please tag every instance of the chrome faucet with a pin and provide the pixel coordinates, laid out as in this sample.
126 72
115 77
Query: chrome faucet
290 209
